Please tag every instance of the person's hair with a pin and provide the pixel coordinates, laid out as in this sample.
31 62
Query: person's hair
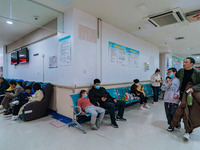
157 70
136 81
36 87
28 87
192 60
2 78
173 69
168 77
97 81
82 91
19 82
12 82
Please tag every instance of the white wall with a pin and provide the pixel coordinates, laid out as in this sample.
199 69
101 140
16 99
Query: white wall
1 56
117 73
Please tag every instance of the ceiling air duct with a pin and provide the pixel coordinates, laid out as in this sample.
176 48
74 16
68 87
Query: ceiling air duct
167 18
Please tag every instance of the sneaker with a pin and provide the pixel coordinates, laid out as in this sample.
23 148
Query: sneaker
7 112
178 126
186 136
114 124
146 106
156 102
3 111
141 108
170 129
120 119
94 127
14 103
98 123
14 118
1 107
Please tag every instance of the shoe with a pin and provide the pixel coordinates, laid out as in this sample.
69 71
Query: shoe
1 107
156 102
14 118
186 136
14 103
114 124
146 106
3 111
120 119
170 129
7 112
178 126
98 123
141 108
94 127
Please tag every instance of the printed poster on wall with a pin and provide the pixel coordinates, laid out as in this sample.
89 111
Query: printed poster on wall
53 62
122 55
64 54
177 63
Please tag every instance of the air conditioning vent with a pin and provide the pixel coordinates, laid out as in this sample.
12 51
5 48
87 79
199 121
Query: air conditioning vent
198 54
167 18
179 38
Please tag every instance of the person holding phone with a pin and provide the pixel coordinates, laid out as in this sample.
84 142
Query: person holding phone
155 81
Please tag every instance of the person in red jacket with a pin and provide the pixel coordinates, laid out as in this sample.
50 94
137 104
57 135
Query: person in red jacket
87 107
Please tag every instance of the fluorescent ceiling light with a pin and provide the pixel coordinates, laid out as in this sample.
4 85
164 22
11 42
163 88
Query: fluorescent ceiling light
197 57
9 22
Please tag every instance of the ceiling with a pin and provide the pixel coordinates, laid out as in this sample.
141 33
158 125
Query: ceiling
128 15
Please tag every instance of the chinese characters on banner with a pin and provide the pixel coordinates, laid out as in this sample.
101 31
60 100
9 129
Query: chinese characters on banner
64 54
123 55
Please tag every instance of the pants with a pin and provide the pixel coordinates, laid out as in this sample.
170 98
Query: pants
5 101
156 93
143 99
93 111
170 110
111 107
16 108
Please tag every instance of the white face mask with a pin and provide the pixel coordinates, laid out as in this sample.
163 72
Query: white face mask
137 84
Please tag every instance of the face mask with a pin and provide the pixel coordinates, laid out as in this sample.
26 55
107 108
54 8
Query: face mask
157 74
98 87
86 96
171 75
137 84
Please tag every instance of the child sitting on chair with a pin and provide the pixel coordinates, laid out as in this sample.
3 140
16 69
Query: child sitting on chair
87 107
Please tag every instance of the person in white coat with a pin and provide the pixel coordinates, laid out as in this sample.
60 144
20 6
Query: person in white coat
155 81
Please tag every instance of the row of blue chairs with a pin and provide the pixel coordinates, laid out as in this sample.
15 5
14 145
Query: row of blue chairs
117 93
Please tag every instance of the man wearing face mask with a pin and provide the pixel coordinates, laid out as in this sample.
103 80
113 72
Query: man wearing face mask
100 97
138 90
171 97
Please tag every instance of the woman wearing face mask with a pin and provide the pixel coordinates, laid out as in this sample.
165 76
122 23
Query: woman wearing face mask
155 81
138 90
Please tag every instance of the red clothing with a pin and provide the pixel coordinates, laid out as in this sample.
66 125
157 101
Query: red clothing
83 103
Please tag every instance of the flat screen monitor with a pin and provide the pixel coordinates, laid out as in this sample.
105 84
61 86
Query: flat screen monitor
23 56
14 58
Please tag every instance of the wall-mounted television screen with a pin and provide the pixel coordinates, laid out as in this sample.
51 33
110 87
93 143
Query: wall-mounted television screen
23 56
14 58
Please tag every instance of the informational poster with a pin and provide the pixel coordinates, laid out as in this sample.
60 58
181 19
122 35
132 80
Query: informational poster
53 62
64 54
122 55
177 63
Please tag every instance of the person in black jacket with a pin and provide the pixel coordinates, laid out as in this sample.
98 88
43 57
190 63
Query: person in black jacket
3 86
100 97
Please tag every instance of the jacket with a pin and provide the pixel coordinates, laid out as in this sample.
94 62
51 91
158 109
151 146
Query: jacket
171 90
190 114
155 77
4 85
195 78
95 96
134 90
18 89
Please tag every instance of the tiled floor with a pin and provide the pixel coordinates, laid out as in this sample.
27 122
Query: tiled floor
144 130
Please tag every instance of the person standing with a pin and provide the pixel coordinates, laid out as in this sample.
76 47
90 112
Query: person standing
155 81
3 86
171 96
187 75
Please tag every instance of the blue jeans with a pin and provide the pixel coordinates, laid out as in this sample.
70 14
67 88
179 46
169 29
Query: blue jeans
155 93
170 110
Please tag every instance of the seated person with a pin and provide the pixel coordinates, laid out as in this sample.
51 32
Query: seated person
88 107
3 86
9 96
22 99
38 96
100 97
138 90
